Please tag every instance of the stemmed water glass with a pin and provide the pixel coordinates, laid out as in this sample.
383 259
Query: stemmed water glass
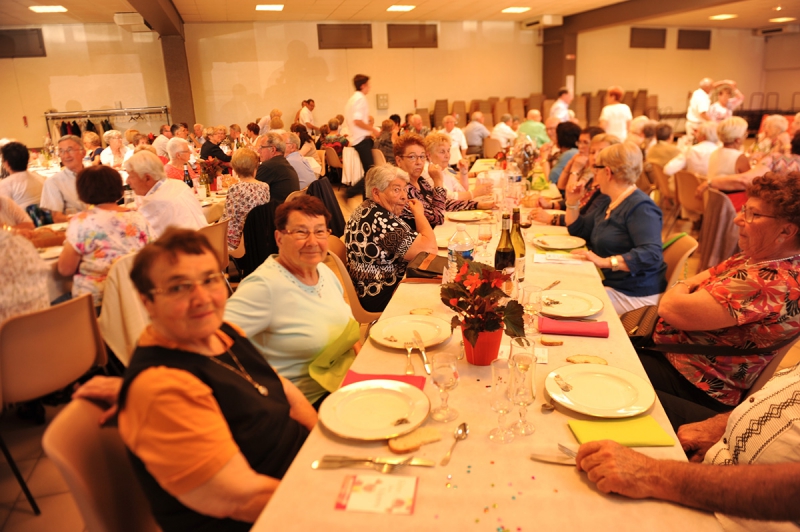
485 236
530 297
523 382
444 375
500 400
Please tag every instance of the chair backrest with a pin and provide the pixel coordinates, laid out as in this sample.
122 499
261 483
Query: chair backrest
336 246
719 236
295 194
123 317
657 176
332 158
217 234
360 315
686 184
258 235
44 351
676 255
491 147
379 157
96 467
769 370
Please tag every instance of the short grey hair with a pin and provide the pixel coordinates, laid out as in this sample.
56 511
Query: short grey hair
276 141
293 138
624 160
778 122
731 129
145 163
381 176
638 123
74 138
111 134
709 131
505 118
174 145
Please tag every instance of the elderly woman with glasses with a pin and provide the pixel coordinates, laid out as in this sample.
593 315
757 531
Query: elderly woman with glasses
211 148
410 156
115 153
747 302
292 307
179 155
379 242
459 196
622 229
211 428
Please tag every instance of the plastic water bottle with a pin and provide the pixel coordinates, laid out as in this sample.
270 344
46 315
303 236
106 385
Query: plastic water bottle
460 245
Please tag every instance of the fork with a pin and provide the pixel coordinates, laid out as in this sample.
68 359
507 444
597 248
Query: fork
409 366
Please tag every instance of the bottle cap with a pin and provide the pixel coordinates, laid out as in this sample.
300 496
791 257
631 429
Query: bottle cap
461 227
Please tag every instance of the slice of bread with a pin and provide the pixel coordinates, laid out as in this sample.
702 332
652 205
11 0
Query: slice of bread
415 439
550 341
587 359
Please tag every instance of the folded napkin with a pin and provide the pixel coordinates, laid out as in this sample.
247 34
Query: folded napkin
546 258
331 365
413 380
598 329
637 432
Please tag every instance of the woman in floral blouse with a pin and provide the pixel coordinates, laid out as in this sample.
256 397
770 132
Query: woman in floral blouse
459 196
244 195
749 301
99 236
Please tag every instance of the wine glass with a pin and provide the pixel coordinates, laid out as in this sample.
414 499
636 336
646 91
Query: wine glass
444 375
523 382
530 298
485 236
500 400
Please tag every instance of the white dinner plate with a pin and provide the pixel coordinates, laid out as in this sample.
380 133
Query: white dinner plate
559 242
392 332
550 193
368 410
554 211
569 304
51 252
206 202
601 391
62 226
467 216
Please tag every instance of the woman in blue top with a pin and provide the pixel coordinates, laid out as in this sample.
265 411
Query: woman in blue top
622 229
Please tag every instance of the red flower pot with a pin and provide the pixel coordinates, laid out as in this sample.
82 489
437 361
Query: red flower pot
486 348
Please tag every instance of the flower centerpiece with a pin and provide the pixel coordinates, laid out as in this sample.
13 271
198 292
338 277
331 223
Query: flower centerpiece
483 310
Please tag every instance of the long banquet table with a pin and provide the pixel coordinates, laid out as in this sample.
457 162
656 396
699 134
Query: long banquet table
486 486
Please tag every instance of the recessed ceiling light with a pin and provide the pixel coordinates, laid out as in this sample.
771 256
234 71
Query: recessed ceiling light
724 16
782 19
777 8
400 8
269 7
48 9
516 10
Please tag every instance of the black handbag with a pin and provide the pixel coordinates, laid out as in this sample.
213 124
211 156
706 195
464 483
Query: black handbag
426 266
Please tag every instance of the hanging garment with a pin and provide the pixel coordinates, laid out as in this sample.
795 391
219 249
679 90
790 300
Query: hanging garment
76 129
90 126
64 129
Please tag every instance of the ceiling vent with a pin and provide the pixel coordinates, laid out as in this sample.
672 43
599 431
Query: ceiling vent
132 22
542 21
778 30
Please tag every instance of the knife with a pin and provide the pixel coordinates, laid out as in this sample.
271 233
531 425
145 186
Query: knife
553 459
330 461
421 347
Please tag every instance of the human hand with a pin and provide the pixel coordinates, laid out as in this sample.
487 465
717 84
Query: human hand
574 193
545 203
482 190
540 215
585 254
435 171
416 208
486 205
463 166
617 469
579 163
697 438
700 190
104 390
544 151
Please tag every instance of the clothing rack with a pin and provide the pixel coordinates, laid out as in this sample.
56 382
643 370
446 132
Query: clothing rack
131 112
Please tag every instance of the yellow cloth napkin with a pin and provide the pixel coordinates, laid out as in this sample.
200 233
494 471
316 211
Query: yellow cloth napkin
330 366
637 432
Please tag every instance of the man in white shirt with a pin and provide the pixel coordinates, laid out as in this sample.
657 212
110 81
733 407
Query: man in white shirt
696 158
458 142
503 132
475 132
307 119
22 186
59 193
560 108
197 138
304 172
699 104
356 116
160 142
728 99
163 202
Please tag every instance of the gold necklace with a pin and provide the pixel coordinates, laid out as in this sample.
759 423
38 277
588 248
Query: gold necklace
242 373
747 262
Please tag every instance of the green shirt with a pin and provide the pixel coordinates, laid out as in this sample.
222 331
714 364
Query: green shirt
535 130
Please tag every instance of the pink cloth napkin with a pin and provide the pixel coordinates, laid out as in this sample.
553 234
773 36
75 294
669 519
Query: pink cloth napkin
597 329
413 380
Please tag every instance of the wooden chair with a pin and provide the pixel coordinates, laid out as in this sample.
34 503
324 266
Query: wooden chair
491 147
337 251
686 184
217 235
676 252
95 465
45 351
295 194
379 157
123 317
719 236
334 164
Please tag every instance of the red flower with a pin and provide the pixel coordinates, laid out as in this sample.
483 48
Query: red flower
472 282
454 301
462 272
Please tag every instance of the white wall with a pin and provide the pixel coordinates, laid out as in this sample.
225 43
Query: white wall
782 68
239 71
605 58
87 67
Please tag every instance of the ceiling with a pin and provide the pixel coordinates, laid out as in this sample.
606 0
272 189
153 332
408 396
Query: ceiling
752 13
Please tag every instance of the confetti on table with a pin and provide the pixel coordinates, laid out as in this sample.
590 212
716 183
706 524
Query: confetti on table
492 462
494 505
447 485
449 477
486 510
513 498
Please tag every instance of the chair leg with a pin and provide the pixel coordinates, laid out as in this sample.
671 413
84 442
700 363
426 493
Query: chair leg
20 480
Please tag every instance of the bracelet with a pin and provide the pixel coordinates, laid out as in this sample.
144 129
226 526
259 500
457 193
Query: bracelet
680 281
614 263
576 206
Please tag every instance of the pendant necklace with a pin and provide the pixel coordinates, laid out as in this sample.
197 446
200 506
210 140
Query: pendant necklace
242 373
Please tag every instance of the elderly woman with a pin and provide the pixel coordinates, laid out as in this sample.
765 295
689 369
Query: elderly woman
409 155
385 141
292 306
581 171
276 124
115 153
96 238
615 116
696 159
244 195
92 145
567 135
747 302
210 426
211 147
773 138
622 229
379 242
459 196
179 155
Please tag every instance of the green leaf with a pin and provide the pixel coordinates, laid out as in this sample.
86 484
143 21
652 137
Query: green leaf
471 335
513 319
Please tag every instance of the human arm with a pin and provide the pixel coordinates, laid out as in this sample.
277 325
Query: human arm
697 438
572 198
299 408
68 261
104 390
426 239
675 165
725 489
685 307
736 182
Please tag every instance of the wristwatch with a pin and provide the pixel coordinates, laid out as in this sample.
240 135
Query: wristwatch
614 263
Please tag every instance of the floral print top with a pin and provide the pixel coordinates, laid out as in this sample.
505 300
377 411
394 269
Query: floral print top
433 201
764 300
23 277
242 198
101 237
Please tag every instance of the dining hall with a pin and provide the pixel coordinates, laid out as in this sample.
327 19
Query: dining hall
434 266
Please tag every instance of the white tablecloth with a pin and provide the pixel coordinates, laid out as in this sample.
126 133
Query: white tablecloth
353 171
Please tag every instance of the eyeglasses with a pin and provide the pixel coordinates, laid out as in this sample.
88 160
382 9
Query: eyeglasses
265 147
303 234
184 288
598 167
414 158
68 151
749 215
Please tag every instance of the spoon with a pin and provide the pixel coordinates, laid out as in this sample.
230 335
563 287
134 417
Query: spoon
551 285
461 433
